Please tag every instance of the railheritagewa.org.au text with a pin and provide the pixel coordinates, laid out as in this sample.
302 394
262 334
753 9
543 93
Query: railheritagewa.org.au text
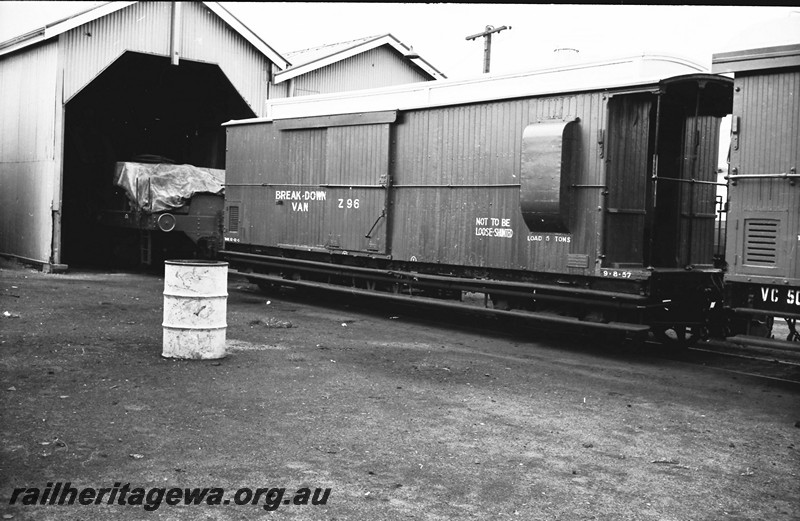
123 494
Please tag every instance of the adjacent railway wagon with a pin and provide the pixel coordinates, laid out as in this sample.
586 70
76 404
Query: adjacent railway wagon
763 276
583 196
171 209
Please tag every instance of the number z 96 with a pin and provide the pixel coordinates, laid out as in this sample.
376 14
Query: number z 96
349 203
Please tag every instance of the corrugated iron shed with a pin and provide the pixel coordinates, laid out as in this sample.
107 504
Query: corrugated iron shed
370 62
80 87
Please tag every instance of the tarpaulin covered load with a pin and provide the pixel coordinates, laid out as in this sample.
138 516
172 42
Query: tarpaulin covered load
156 187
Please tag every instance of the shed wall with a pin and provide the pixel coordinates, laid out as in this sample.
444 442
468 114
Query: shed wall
145 27
379 67
28 151
207 38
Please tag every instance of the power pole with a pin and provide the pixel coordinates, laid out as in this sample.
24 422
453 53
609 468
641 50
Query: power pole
487 43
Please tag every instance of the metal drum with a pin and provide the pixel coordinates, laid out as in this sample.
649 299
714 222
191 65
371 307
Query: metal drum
195 305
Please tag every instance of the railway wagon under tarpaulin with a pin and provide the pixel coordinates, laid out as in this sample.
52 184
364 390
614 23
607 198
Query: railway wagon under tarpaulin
584 195
159 201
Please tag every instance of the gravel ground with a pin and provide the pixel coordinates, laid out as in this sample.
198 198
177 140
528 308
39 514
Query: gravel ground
401 417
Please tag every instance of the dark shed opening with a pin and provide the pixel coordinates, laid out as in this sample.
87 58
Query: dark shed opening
143 109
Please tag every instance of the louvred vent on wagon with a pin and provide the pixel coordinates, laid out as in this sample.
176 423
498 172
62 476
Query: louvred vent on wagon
761 242
233 219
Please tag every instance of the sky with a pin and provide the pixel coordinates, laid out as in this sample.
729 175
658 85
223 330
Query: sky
438 31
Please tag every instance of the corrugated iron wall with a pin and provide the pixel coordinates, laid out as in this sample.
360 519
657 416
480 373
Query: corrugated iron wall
380 67
28 151
90 48
207 38
145 27
768 109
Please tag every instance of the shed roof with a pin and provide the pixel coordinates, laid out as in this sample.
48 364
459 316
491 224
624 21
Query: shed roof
307 60
63 25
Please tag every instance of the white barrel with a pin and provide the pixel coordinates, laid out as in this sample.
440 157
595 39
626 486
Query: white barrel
195 307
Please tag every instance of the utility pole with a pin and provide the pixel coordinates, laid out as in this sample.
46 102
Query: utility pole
487 43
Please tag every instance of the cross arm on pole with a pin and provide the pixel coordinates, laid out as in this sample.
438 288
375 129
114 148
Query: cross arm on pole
487 44
489 30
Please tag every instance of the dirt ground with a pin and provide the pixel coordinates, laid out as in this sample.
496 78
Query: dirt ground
401 417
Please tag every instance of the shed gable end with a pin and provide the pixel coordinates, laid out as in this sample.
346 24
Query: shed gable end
146 27
379 67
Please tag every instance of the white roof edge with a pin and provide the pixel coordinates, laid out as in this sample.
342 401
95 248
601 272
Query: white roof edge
56 28
386 39
248 35
622 72
423 64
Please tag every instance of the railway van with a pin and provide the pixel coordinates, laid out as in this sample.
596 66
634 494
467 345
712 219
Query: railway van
582 196
762 280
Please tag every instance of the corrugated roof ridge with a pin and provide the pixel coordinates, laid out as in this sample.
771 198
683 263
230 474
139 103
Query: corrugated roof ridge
76 14
319 47
56 19
105 8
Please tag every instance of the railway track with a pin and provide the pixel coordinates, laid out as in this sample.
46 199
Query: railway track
779 364
774 361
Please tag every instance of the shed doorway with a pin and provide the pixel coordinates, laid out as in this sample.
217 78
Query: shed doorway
140 109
